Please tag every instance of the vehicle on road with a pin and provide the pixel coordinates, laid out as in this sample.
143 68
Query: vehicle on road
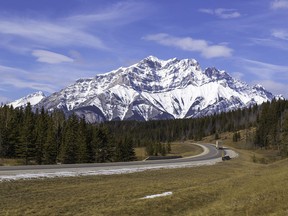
219 144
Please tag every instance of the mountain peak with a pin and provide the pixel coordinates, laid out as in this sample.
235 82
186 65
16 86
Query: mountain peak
258 86
155 89
33 99
152 58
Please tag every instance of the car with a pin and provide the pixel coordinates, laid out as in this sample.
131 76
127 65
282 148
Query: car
227 157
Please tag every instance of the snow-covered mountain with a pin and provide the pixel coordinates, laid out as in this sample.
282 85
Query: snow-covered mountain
155 89
33 99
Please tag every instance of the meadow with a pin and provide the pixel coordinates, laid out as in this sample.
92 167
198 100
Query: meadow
241 186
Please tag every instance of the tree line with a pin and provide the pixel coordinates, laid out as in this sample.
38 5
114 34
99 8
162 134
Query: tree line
48 138
266 126
272 126
166 131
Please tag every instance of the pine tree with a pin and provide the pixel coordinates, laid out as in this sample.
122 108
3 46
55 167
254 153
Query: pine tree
163 150
236 136
284 138
50 145
69 148
26 146
9 131
169 149
91 139
104 147
118 151
40 134
127 150
149 148
81 142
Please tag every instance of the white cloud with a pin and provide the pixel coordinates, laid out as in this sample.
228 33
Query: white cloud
227 13
206 10
190 44
221 12
279 4
47 33
50 57
280 33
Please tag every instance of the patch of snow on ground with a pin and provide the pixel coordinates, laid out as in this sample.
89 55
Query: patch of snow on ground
90 171
112 171
231 154
158 195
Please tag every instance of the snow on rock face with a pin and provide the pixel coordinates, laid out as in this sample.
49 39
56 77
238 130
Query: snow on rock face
155 89
33 99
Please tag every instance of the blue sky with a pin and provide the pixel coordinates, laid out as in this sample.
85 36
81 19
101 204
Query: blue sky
48 44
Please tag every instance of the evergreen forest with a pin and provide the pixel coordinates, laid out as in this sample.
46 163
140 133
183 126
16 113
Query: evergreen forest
40 137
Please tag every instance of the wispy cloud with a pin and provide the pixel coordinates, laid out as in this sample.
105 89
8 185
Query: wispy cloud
48 78
19 79
50 57
221 12
272 76
266 71
49 34
279 4
92 29
277 88
269 42
280 33
190 44
238 75
120 13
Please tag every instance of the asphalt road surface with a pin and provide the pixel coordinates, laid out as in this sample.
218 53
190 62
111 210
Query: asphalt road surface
209 154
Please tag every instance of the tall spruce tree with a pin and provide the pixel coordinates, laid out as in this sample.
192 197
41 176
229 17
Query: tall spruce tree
124 150
82 142
26 147
104 146
69 148
40 133
284 139
50 145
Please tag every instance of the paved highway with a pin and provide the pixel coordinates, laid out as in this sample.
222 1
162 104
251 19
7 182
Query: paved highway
209 155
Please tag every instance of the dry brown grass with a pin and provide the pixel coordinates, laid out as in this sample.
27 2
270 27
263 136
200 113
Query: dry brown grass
11 162
236 187
184 149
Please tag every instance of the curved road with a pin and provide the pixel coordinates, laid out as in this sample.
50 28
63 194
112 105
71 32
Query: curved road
210 155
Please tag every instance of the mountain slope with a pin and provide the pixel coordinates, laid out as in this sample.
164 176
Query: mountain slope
33 99
155 89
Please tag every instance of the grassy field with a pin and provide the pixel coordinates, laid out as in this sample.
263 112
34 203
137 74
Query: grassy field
10 162
235 187
184 149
